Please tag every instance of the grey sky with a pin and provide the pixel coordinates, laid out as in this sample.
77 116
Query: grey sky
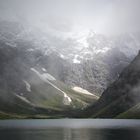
103 16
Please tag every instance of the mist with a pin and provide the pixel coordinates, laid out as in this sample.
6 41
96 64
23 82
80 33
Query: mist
69 58
108 17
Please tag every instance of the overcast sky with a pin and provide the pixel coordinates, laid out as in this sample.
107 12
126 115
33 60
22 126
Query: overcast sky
102 16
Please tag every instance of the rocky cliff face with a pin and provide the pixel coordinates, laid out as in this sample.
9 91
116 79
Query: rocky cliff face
28 89
91 62
39 70
121 95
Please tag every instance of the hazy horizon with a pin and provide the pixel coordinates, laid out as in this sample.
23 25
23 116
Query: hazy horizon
109 17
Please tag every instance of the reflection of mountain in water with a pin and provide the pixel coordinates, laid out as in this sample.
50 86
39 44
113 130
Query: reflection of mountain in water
84 132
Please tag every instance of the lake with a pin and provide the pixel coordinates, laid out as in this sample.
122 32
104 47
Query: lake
70 129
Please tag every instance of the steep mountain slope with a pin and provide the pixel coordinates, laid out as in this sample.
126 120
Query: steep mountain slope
41 70
91 61
121 95
132 113
27 88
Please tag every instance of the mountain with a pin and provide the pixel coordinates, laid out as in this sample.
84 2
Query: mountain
27 88
90 61
121 95
45 75
132 113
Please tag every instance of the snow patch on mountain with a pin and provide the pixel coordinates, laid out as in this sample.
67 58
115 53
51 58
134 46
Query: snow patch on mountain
62 56
48 76
45 76
43 69
75 60
23 98
67 100
30 50
83 42
79 89
28 86
103 50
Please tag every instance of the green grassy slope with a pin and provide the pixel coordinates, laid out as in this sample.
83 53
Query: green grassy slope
43 101
132 113
45 95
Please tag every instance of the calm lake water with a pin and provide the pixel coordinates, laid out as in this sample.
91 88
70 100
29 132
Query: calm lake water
70 129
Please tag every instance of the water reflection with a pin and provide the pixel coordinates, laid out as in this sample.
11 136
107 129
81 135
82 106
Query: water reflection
71 134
